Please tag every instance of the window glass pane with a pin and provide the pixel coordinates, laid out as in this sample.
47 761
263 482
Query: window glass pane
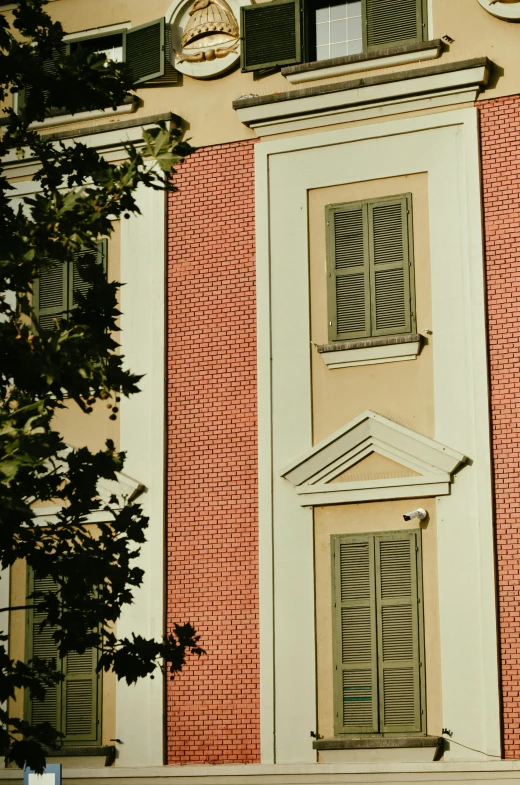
338 32
322 14
338 11
322 52
354 29
322 35
338 29
338 50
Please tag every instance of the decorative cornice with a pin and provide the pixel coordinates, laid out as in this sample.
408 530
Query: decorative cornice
314 474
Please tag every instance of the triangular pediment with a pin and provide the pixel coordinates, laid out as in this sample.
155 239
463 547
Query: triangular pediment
345 466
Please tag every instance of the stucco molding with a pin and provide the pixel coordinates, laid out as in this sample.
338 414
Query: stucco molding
314 474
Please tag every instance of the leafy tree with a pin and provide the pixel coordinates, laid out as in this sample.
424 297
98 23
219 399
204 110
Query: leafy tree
76 363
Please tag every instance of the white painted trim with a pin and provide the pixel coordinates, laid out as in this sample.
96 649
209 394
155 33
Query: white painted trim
93 32
371 355
315 496
298 106
485 771
140 708
265 469
445 145
369 430
95 114
363 65
368 112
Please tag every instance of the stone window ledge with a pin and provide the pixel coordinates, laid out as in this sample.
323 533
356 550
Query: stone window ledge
351 64
371 351
378 742
108 752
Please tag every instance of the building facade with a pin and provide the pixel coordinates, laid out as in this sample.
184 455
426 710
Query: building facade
326 316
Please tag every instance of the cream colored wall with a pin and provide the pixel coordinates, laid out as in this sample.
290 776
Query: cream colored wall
370 518
205 105
401 391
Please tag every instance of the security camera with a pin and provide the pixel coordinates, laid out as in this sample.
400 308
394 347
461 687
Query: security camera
420 514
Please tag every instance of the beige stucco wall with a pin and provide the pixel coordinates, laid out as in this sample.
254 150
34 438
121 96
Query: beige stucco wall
205 105
370 518
401 391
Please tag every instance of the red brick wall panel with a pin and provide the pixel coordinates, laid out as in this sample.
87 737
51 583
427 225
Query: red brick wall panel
500 140
212 522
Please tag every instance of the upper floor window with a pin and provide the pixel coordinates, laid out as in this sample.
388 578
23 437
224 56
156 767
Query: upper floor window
284 32
370 276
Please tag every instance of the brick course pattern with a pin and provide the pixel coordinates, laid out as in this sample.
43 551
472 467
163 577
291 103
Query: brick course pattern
500 140
213 712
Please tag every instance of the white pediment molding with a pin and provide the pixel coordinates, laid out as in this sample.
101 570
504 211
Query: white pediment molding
314 474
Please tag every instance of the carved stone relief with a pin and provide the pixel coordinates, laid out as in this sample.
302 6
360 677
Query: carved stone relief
504 9
205 37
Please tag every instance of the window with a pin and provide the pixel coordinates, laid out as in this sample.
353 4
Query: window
370 268
284 32
73 706
378 634
145 48
56 289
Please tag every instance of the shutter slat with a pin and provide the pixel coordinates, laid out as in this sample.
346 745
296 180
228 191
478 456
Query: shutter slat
355 636
348 239
270 34
398 633
392 22
144 51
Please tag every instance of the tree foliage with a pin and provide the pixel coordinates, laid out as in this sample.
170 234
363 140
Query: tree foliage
78 363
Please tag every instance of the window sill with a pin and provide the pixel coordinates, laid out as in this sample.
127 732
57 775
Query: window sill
108 752
371 351
66 119
352 64
378 742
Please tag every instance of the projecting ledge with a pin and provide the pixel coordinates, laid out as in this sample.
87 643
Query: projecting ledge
378 742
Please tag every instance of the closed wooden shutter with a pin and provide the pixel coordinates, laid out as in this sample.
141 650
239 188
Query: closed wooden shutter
377 630
390 266
80 696
370 282
348 272
355 637
145 51
398 633
271 34
73 706
50 295
394 22
40 643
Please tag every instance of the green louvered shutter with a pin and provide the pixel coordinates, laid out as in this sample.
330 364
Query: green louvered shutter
145 51
76 280
50 295
355 656
394 22
390 253
271 34
80 697
398 630
348 272
40 643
